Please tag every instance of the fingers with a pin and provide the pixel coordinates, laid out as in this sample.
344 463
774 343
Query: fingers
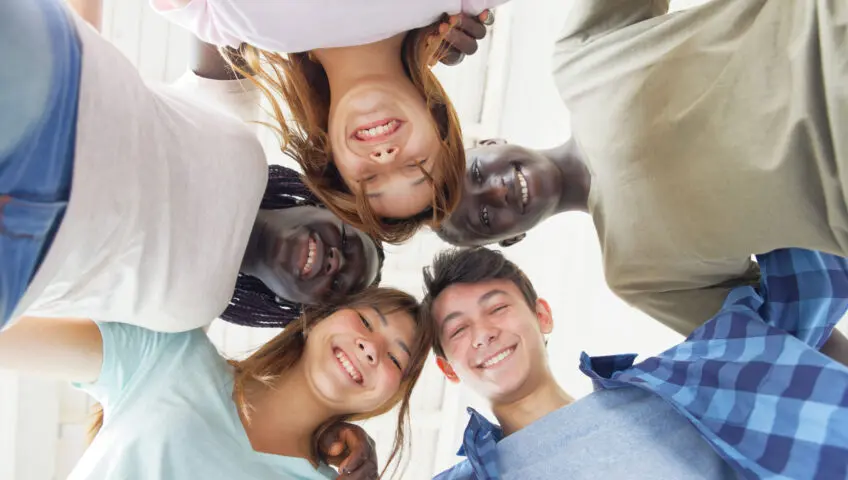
358 452
367 471
473 26
458 40
330 444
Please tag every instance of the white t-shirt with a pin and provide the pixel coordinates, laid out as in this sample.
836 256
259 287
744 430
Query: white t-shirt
301 25
169 415
164 193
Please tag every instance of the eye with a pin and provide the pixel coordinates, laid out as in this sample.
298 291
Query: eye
344 238
475 172
365 322
368 179
484 215
395 361
500 308
457 332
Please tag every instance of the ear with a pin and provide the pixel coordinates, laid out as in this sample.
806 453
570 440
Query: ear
446 368
512 241
491 141
545 316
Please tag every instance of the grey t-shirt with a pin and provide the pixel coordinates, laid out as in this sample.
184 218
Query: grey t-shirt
621 434
712 134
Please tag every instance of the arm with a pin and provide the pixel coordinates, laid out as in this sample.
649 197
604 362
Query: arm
69 349
207 62
805 293
89 10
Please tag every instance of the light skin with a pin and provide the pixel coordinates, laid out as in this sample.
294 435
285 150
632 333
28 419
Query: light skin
380 129
494 343
374 343
322 387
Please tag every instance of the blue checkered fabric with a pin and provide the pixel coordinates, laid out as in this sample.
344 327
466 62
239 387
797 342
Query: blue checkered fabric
751 380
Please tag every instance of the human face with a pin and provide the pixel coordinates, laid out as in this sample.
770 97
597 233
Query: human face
508 190
492 339
307 255
356 358
382 136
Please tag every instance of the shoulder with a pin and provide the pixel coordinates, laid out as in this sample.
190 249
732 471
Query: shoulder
460 471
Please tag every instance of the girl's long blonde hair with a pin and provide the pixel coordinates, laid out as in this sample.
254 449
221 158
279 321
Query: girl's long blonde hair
284 351
302 84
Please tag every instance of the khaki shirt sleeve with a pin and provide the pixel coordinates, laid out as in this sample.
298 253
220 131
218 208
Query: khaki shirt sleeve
590 19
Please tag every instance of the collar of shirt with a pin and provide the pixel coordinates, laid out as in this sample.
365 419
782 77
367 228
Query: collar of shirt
751 380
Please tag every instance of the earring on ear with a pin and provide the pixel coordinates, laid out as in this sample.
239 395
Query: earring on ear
512 241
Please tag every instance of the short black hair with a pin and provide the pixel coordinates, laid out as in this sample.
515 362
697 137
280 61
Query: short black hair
468 266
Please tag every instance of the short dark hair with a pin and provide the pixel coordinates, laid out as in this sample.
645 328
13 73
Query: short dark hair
467 266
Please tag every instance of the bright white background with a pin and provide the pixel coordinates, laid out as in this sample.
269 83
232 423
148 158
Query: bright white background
504 91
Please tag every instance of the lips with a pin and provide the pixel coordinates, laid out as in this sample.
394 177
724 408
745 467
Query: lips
376 132
348 366
497 358
523 192
311 257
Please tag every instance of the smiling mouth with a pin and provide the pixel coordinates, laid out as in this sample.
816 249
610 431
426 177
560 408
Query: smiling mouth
497 358
348 366
310 257
522 183
377 132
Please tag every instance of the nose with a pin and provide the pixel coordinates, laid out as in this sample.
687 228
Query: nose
333 262
483 336
384 153
495 193
367 350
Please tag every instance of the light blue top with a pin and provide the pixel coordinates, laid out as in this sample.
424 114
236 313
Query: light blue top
621 434
169 414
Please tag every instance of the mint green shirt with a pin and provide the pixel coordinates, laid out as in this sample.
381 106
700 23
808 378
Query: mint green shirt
169 414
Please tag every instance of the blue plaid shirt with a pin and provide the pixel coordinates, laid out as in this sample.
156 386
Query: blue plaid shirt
751 380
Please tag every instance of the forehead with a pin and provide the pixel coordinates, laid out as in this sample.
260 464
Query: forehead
465 297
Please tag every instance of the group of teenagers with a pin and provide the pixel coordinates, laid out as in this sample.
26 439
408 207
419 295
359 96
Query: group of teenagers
707 145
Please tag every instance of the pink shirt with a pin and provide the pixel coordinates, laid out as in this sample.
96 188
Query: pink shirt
300 25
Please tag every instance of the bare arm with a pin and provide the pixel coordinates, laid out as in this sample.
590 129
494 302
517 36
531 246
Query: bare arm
67 349
206 61
90 10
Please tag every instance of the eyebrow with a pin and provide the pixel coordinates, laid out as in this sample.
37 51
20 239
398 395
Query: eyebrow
483 298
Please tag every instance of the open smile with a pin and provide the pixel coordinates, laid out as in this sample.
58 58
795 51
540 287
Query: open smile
347 365
377 131
497 358
522 187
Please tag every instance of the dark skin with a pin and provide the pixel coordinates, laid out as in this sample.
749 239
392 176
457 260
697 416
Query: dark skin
495 206
492 208
307 255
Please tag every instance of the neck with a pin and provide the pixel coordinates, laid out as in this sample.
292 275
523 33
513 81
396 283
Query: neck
576 179
514 416
283 419
347 66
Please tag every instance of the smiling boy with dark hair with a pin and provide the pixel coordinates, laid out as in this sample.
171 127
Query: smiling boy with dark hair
747 394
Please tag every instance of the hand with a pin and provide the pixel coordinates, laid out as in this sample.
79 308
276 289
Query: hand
461 33
349 448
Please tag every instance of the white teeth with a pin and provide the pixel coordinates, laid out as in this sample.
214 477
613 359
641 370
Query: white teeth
351 370
497 358
376 131
310 258
522 182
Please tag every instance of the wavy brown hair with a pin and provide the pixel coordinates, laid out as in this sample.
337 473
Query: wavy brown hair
284 351
302 84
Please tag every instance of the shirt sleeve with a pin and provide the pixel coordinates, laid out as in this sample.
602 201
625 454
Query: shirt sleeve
590 19
240 98
805 292
129 353
301 25
681 310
